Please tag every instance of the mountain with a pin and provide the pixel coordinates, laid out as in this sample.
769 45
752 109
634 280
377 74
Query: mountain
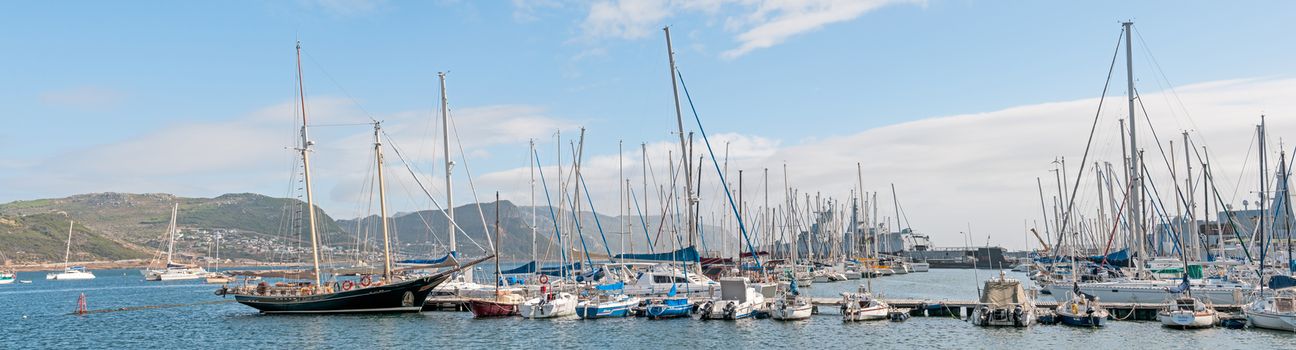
43 237
253 225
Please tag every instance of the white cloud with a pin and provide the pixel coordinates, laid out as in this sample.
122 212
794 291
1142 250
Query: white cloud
973 168
759 23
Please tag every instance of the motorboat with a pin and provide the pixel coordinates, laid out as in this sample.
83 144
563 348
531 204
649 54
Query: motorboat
1004 303
737 300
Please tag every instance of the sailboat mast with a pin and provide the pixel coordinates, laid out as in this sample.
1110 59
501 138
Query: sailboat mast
449 165
497 244
1135 180
684 149
171 231
306 175
535 256
622 192
67 254
382 202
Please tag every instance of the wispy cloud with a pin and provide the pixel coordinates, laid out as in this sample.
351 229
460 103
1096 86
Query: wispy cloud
83 97
759 24
774 22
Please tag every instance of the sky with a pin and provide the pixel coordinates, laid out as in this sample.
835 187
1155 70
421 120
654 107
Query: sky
960 104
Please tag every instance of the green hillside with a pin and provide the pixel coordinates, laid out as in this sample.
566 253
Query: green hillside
43 238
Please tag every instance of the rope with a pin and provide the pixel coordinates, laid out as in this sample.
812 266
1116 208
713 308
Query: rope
1088 144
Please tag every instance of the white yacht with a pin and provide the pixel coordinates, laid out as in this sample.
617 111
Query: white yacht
71 273
659 280
174 271
1188 312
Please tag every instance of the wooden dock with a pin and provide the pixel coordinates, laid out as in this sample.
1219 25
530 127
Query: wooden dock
962 308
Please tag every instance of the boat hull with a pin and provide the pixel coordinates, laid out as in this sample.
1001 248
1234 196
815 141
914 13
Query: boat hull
485 309
1002 317
1187 319
605 310
791 311
1275 321
70 276
669 308
1081 320
920 266
406 296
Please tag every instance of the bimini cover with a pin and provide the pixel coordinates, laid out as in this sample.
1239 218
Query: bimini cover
1280 282
1003 293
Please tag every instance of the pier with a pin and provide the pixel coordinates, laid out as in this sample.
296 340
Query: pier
962 308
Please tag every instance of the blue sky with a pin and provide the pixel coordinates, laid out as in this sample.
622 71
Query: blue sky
82 76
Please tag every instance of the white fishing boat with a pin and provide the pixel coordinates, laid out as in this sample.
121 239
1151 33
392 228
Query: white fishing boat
8 277
549 305
1004 303
174 271
70 272
737 300
1275 311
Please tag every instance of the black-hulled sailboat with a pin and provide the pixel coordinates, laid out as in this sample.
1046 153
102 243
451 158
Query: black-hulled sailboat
387 293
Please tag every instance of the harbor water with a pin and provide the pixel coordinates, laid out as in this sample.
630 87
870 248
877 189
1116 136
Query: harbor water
37 316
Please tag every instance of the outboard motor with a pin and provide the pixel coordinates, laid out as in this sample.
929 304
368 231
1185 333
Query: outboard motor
729 310
1017 316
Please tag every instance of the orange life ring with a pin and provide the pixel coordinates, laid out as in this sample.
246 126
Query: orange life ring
347 285
366 281
544 279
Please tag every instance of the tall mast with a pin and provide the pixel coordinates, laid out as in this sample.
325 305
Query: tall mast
1264 195
305 155
497 244
684 149
382 202
1135 180
622 193
449 165
171 231
535 257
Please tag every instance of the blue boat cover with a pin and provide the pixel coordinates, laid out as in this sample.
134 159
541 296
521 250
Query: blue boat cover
525 268
687 254
614 286
1281 281
1182 287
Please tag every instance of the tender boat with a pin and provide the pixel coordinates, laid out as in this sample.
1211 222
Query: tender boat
1082 310
1004 303
7 277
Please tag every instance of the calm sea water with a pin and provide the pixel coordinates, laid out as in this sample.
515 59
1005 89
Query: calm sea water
36 316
